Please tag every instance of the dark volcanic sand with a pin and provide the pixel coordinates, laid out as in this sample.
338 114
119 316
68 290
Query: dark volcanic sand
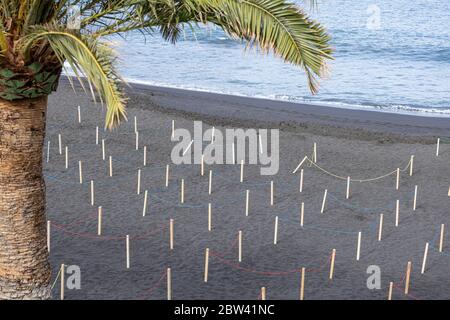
361 144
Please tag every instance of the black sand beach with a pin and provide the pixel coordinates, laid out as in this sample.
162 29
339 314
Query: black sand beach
360 144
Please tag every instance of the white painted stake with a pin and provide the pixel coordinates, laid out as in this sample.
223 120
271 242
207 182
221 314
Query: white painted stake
441 240
324 201
391 285
380 227
137 140
59 143
302 284
437 146
48 151
79 114
358 249
275 234
206 265
110 166
397 212
92 192
240 245
232 151
210 182
139 182
300 164
333 257
169 284
144 210
202 165
260 144
135 124
301 180
48 235
96 135
67 157
173 129
128 251
302 213
315 153
167 176
209 217
411 166
347 195
242 170
171 234
247 202
145 156
80 170
271 193
415 198
424 261
397 183
99 221
103 150
182 191
63 282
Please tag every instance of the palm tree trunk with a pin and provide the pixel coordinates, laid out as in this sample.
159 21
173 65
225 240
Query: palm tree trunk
24 266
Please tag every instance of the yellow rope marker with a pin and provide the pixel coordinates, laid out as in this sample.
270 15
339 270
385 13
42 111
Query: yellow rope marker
324 201
110 166
424 260
397 212
99 221
275 234
171 234
347 195
271 193
139 182
92 192
247 202
96 135
380 227
333 257
302 284
358 247
167 175
411 166
80 170
128 251
182 191
206 265
441 240
103 150
67 157
59 143
144 209
408 276
242 171
240 245
169 284
145 156
263 293
48 235
302 213
391 285
62 281
209 217
415 198
397 183
301 181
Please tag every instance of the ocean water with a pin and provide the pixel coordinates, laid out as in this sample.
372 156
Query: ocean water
401 64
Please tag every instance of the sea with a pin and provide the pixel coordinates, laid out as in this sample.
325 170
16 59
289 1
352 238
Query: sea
390 56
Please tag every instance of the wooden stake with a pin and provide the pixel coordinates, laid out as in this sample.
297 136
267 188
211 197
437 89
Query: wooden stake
302 213
210 182
135 124
173 129
411 166
415 198
99 221
80 170
110 166
240 245
380 227
145 156
144 210
271 193
358 248
300 164
347 195
48 151
391 285
182 191
242 171
247 202
67 157
397 212
441 240
167 176
263 293
62 272
209 217
206 264
397 184
424 261
92 192
437 146
301 180
275 234
48 235
96 135
324 201
137 140
169 284
302 285
315 153
171 234
139 182
103 150
79 115
59 143
202 165
128 251
333 257
408 276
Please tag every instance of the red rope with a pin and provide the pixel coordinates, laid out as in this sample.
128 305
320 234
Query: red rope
149 291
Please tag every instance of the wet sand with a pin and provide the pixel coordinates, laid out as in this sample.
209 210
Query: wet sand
360 144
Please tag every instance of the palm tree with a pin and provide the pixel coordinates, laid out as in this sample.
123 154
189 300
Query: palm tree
39 37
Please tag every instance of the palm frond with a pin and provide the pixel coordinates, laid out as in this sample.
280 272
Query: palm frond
89 57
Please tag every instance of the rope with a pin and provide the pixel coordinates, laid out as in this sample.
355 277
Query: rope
56 279
149 291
